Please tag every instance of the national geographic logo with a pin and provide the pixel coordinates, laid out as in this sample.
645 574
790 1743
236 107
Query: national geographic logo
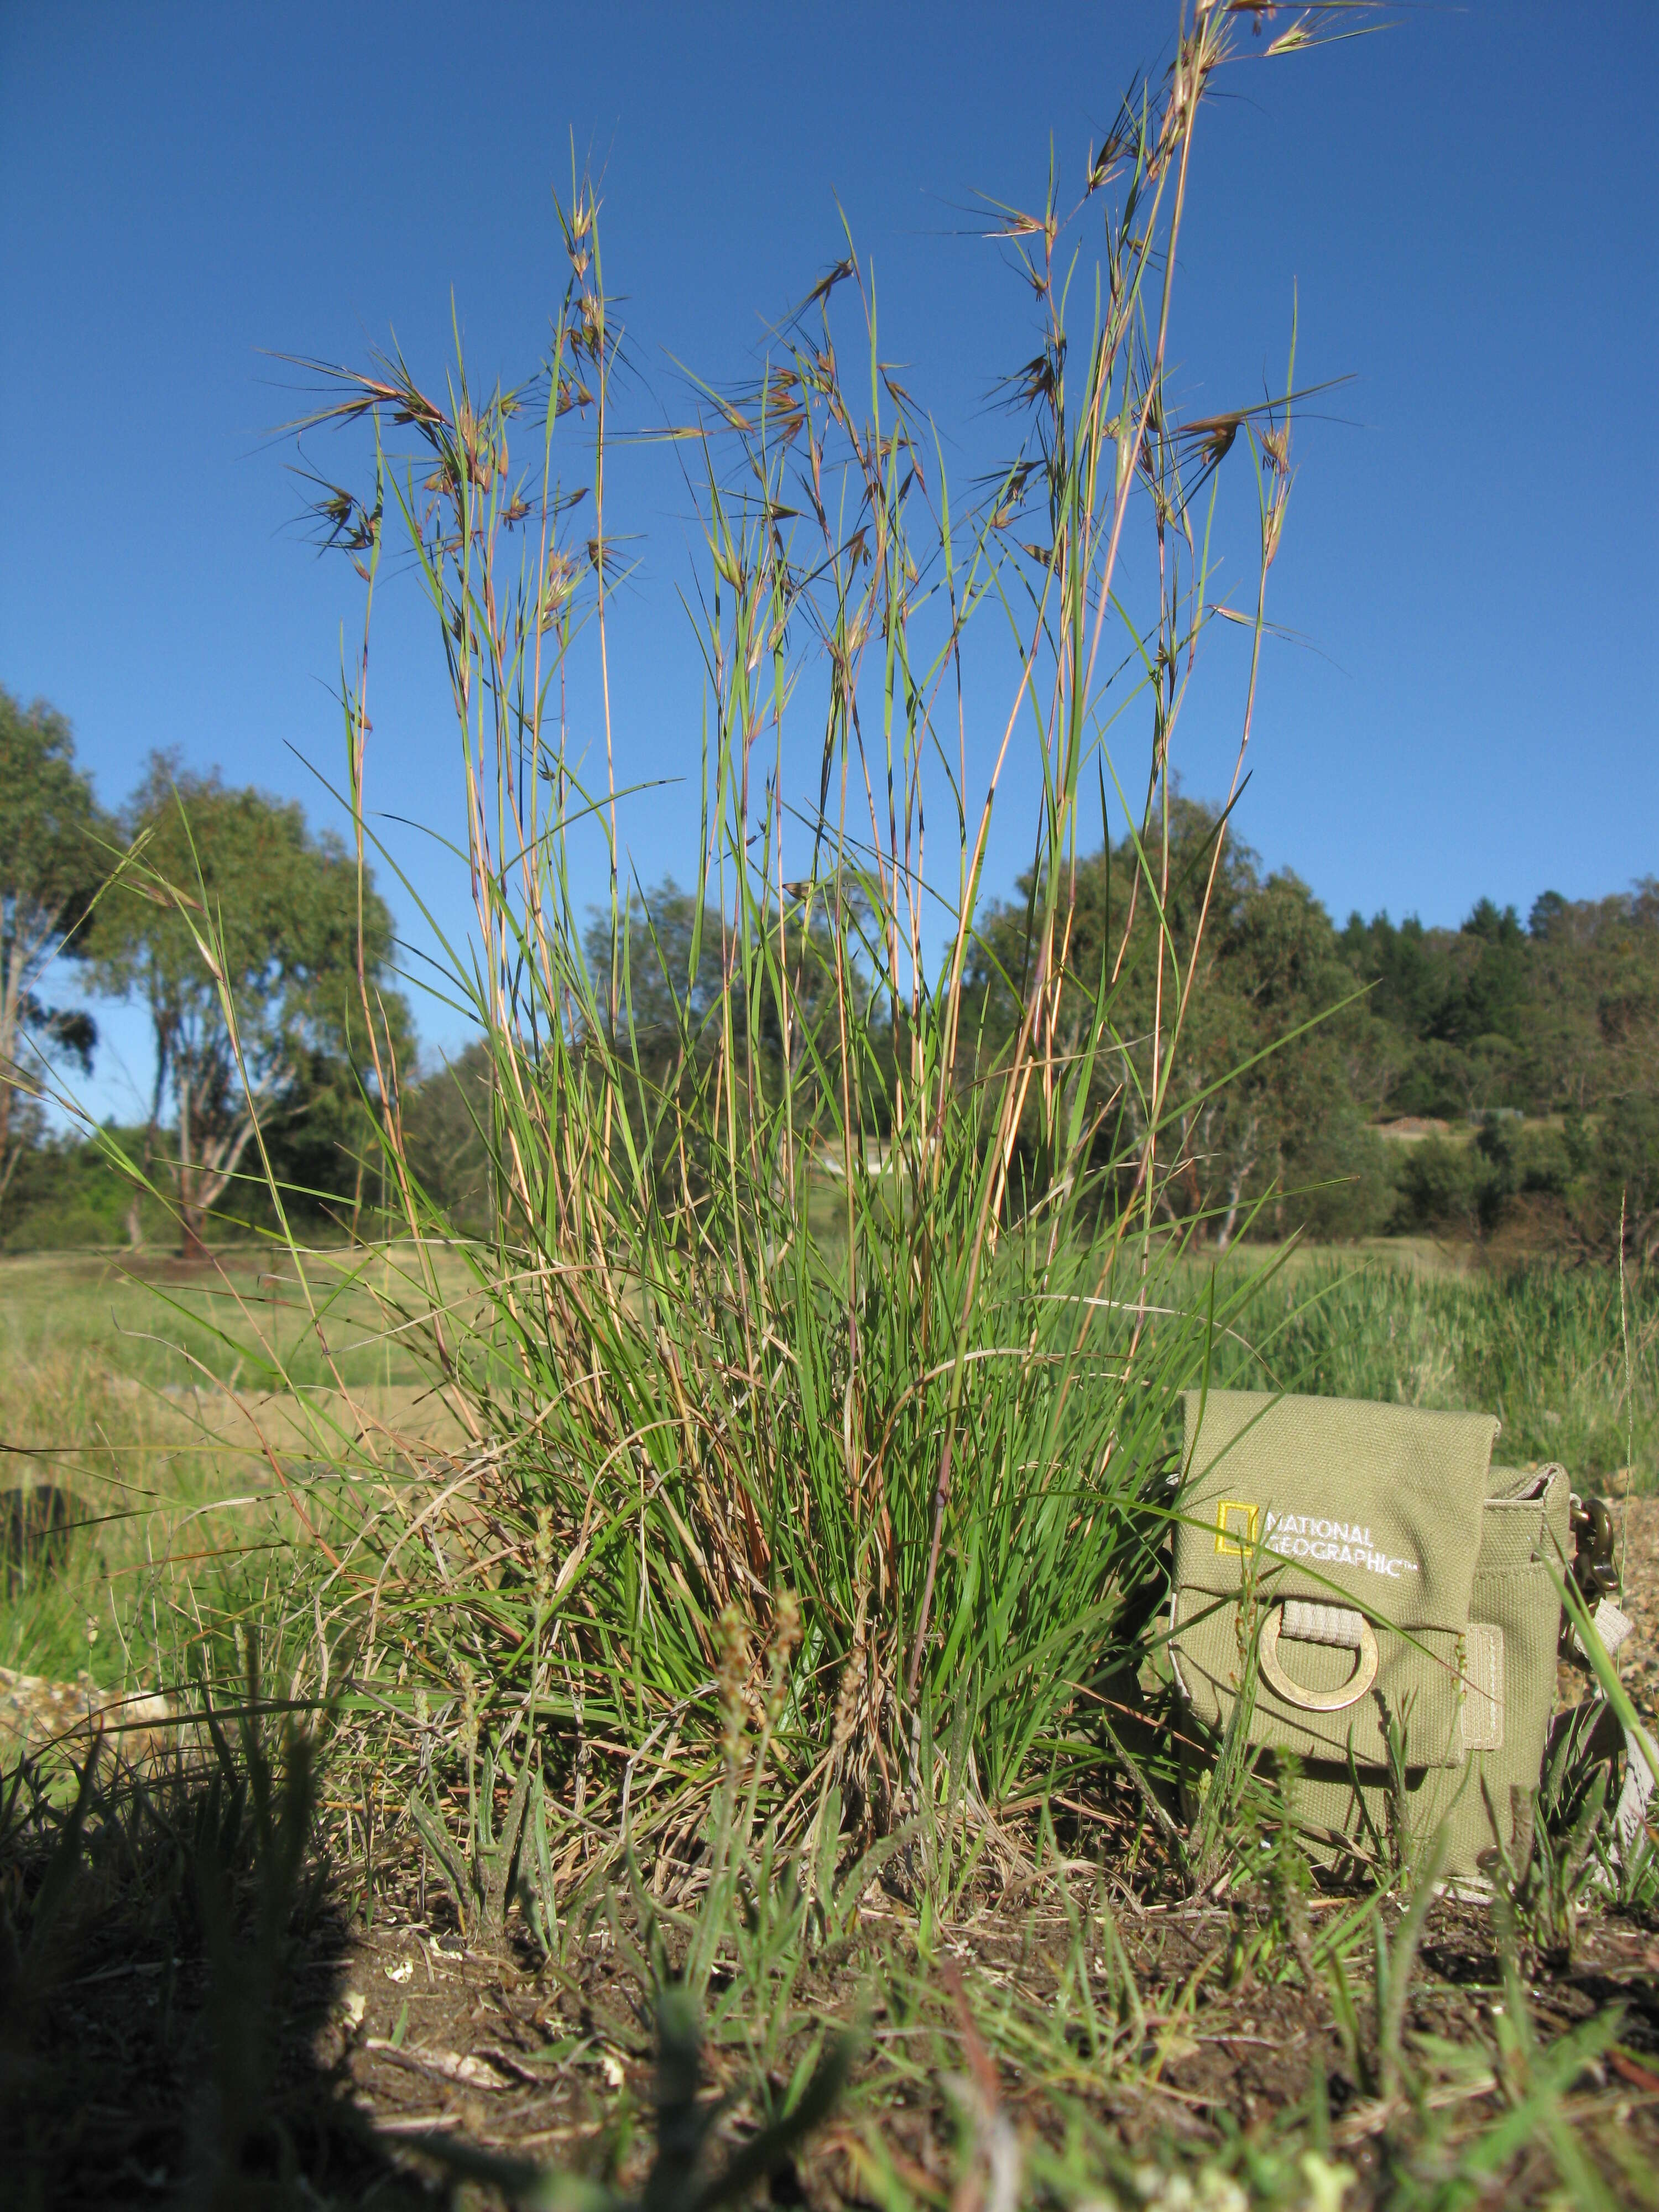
1234 1527
1241 1527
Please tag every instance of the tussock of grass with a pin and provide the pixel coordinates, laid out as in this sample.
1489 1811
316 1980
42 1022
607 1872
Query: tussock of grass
941 1434
816 1292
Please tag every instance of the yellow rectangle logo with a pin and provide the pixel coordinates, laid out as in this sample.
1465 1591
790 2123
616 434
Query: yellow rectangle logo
1234 1527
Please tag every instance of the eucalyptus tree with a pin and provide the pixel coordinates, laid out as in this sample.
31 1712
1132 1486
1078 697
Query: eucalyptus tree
263 960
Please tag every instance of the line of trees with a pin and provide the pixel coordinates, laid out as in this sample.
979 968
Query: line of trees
1500 1080
1501 1075
1343 1082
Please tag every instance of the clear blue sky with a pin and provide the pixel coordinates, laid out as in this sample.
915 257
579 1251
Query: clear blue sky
1466 208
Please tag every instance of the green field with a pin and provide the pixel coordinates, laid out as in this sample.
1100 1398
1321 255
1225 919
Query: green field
155 1396
160 1399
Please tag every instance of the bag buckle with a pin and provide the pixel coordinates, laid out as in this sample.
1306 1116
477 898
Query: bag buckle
1306 1623
1593 1568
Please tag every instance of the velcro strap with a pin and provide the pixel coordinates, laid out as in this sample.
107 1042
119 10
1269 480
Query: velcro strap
1482 1717
1630 1815
1305 1622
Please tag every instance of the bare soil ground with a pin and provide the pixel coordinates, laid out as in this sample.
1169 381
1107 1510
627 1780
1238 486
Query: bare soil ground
400 2032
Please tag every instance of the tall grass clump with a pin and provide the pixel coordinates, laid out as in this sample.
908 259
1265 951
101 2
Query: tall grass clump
822 1363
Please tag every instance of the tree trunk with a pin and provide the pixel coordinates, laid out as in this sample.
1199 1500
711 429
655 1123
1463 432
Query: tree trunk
1236 1193
8 1159
1223 1236
189 1179
203 1180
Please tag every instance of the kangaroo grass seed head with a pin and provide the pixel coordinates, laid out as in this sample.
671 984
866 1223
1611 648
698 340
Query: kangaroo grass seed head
782 1646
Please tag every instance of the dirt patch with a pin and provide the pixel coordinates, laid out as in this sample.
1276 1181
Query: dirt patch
138 1729
109 2092
1164 2031
534 2060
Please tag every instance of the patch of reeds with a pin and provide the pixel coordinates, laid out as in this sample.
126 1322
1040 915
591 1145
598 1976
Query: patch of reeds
1571 1372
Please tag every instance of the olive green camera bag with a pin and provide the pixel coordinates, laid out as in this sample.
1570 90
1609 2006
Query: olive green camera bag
1383 1598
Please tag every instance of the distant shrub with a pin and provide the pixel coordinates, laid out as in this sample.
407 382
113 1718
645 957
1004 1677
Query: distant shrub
1345 1181
1496 1172
63 1195
1438 1185
1623 1177
1543 1161
446 1121
1434 1083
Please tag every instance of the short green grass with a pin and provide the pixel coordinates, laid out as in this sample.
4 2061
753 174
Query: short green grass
150 1393
165 1327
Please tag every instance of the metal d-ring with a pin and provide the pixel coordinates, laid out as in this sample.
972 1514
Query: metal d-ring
1317 1701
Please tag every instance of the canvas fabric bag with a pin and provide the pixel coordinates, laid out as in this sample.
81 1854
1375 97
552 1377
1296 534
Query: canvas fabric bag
1379 1570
